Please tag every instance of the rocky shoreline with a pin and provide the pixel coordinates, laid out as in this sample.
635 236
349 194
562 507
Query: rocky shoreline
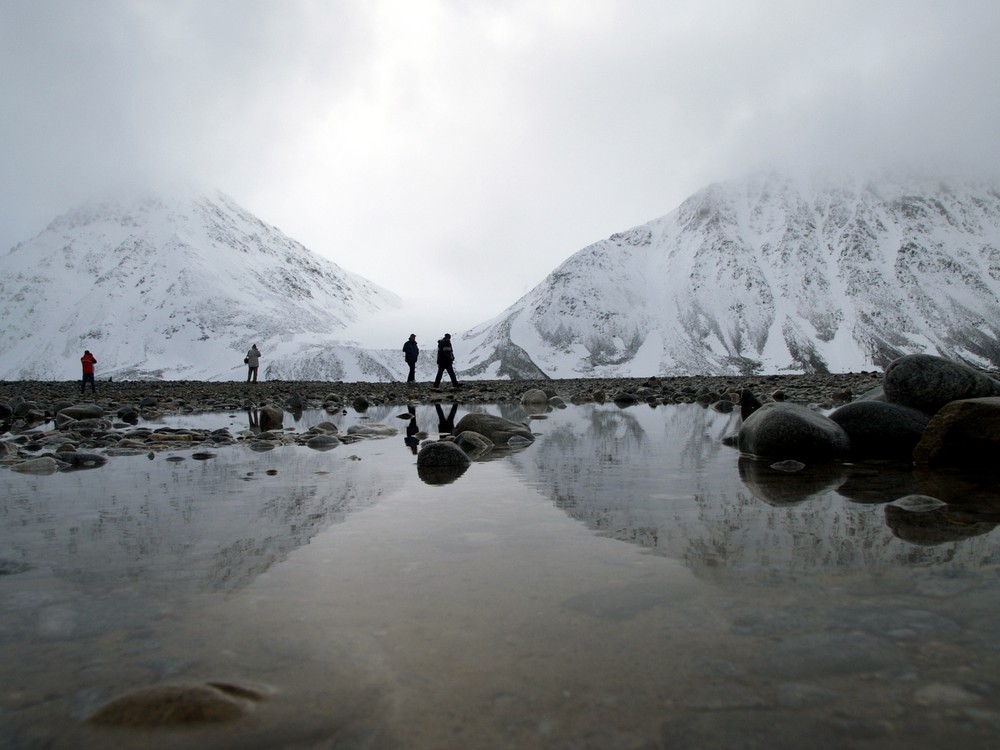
172 397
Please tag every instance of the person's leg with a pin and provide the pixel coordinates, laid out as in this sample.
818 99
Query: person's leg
451 373
83 384
255 374
249 373
412 377
437 380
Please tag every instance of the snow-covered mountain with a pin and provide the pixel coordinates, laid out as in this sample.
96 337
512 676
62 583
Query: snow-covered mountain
179 287
766 275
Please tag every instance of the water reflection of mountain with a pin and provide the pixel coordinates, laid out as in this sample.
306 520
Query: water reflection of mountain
185 527
662 479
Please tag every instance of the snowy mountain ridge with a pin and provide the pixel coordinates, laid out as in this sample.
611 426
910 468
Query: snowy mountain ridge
763 275
179 288
767 275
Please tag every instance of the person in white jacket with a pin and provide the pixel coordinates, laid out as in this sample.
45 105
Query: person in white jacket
253 362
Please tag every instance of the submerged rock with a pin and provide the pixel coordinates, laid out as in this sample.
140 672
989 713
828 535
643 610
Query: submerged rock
172 705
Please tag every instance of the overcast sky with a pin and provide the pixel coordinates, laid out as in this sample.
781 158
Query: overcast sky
456 151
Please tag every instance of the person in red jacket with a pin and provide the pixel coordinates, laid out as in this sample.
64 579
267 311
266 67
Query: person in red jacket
88 360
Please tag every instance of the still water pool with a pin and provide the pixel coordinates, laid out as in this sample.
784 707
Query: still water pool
627 581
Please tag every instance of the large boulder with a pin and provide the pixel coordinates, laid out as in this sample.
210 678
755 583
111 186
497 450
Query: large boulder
271 418
926 382
878 429
496 429
787 430
962 433
442 454
535 396
441 462
82 411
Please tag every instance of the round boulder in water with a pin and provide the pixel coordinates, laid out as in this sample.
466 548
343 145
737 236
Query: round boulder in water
496 429
441 462
879 429
926 382
785 430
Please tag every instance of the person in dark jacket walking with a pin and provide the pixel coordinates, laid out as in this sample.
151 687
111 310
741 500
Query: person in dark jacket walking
411 351
88 361
445 359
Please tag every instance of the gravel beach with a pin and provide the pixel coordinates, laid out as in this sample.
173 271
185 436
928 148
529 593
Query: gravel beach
168 397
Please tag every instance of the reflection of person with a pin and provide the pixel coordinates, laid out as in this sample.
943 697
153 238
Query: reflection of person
446 425
253 362
253 419
88 361
411 351
445 359
411 431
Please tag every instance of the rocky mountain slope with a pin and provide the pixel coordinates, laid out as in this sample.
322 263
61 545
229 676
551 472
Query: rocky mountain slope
766 275
179 287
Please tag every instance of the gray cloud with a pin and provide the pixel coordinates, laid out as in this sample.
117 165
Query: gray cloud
458 152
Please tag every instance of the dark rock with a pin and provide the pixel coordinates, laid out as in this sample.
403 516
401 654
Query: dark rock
495 429
442 453
441 462
786 430
534 397
323 442
21 409
879 429
82 411
749 403
271 418
962 433
927 382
